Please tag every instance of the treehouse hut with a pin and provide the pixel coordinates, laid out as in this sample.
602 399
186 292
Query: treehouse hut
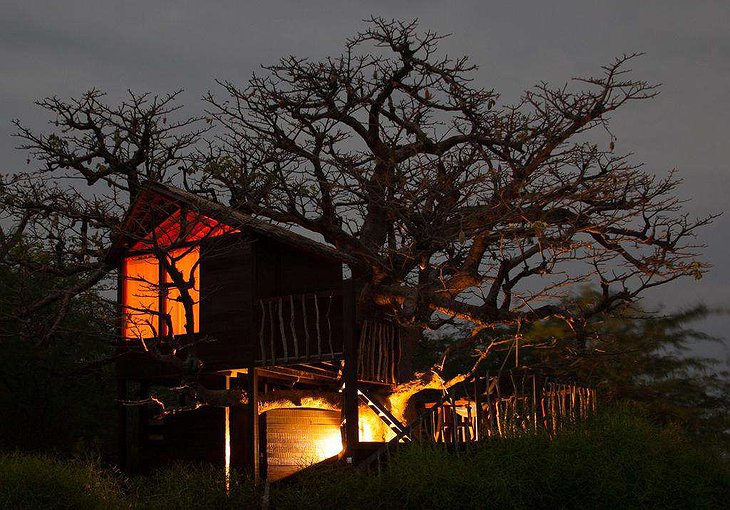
233 302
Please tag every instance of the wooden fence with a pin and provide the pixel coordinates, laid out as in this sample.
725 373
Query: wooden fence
497 405
506 404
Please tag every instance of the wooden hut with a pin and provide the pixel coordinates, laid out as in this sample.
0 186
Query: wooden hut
271 313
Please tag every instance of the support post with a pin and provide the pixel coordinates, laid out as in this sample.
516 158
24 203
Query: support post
122 411
253 401
350 397
132 430
227 444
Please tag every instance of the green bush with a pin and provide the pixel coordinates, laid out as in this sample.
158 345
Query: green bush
38 481
616 460
53 398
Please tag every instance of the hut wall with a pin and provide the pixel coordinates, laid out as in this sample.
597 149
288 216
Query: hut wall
297 438
226 290
281 270
150 440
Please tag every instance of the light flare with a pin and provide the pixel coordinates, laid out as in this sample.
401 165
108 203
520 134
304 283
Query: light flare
228 441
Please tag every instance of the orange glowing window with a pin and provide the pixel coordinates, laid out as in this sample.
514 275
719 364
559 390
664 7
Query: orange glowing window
186 261
140 296
141 293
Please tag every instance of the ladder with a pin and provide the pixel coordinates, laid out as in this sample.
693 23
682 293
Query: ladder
386 416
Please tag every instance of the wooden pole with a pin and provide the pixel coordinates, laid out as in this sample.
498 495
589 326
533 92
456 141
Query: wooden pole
306 327
227 445
280 304
329 327
271 333
293 327
350 396
253 402
261 333
319 333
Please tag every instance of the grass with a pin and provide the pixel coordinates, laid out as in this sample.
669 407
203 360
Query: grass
40 481
192 487
616 460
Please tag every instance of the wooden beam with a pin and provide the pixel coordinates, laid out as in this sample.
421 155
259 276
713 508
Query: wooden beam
291 373
350 396
227 445
253 417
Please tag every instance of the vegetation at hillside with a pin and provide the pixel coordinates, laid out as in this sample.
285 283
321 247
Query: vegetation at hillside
617 460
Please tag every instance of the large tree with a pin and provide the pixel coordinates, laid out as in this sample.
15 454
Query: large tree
456 208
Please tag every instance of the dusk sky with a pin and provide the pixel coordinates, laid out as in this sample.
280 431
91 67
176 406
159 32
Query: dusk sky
65 48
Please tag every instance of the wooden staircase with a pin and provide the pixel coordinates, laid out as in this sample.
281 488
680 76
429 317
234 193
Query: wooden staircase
384 414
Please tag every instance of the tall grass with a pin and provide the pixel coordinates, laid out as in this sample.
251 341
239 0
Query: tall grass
39 481
184 486
616 460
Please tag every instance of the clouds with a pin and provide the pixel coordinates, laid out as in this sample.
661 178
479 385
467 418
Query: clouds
67 47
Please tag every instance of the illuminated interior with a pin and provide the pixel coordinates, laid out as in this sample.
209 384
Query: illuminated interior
140 296
141 293
186 261
141 290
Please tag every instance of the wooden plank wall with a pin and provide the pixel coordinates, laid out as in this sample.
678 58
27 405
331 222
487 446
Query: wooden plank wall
294 436
280 270
226 289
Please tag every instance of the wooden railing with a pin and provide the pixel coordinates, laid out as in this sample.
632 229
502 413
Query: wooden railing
515 402
299 327
497 405
379 351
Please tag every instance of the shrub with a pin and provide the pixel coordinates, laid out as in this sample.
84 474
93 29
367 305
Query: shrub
616 460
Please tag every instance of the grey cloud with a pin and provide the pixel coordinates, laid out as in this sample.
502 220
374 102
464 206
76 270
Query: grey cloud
63 48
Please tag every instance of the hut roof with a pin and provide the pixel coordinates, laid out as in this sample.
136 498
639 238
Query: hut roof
156 195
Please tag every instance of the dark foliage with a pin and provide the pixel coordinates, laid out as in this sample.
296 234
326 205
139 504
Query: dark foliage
618 460
650 360
52 397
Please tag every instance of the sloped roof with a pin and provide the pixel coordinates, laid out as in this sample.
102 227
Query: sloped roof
153 191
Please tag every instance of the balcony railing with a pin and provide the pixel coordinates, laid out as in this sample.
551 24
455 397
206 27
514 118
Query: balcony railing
299 327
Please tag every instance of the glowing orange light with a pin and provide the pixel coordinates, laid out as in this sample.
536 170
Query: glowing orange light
186 261
141 293
327 445
228 441
140 289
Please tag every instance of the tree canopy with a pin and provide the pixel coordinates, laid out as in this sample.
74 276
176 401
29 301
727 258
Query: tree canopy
454 207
